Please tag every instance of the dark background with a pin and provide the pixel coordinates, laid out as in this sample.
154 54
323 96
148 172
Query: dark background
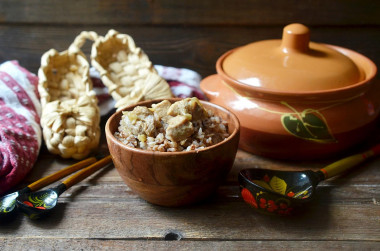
191 34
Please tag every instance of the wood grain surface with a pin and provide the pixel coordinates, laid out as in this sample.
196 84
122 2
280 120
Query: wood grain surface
196 12
103 213
190 34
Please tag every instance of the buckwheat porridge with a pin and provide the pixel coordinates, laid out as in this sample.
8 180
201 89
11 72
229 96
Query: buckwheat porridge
182 126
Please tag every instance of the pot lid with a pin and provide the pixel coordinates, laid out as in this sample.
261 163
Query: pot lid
291 64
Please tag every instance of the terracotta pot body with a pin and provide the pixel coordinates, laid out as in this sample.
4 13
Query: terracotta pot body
174 178
299 124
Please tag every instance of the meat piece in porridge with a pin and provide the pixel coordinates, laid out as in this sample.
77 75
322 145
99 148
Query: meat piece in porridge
140 121
190 107
179 128
160 110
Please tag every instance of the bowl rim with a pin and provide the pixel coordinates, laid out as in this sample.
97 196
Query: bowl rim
109 135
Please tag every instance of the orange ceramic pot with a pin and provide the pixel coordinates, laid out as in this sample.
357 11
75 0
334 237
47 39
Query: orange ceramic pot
296 99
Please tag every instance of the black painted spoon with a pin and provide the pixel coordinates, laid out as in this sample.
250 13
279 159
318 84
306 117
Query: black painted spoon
37 204
8 202
285 192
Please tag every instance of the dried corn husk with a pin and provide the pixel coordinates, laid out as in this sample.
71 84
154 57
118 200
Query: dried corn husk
126 70
70 115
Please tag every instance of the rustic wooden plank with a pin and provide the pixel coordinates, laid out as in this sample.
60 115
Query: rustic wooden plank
9 244
345 212
93 206
215 220
114 192
196 12
107 185
326 193
196 48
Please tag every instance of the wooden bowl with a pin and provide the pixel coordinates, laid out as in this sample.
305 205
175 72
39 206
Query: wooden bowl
174 178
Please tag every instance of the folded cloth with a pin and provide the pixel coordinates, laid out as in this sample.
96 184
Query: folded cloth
183 83
20 132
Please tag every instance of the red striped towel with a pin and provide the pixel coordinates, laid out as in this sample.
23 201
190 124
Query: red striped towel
20 132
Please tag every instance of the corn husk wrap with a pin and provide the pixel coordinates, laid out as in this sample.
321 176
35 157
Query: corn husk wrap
126 70
70 114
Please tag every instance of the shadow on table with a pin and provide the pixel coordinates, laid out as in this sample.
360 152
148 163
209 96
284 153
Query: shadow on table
218 215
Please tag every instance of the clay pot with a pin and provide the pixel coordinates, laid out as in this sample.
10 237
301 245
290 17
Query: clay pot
174 178
296 99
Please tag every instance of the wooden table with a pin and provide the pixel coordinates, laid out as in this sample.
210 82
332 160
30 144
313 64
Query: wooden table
103 213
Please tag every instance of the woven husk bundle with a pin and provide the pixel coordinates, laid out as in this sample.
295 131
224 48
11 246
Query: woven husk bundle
126 70
70 114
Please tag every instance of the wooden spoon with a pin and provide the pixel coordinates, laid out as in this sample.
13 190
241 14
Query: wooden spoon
284 192
39 203
8 202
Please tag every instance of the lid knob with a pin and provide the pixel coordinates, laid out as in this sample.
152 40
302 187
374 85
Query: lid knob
295 37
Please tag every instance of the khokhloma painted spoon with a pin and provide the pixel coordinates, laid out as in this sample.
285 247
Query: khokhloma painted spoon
8 202
285 192
37 204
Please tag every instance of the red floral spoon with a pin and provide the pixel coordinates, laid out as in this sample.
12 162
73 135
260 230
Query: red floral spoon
36 204
284 192
8 202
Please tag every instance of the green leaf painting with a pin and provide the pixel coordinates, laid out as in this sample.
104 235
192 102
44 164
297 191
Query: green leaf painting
308 124
275 184
278 185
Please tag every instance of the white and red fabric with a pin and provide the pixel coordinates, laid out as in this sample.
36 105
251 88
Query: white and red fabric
183 83
20 132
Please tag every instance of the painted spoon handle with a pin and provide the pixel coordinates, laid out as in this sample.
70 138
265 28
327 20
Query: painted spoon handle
81 175
60 174
351 161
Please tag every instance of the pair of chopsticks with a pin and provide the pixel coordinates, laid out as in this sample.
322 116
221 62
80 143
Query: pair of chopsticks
89 166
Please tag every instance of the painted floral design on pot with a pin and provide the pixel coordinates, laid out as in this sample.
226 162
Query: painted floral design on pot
310 124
